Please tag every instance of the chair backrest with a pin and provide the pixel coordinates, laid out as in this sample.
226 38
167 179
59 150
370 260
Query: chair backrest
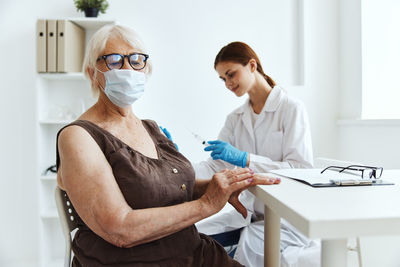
68 219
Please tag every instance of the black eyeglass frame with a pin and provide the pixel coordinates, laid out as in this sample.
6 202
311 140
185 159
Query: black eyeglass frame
52 168
361 168
123 60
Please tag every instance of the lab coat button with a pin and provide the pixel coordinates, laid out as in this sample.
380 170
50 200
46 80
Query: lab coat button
174 170
183 187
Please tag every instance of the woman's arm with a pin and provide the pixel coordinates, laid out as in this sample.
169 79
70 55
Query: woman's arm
88 180
200 188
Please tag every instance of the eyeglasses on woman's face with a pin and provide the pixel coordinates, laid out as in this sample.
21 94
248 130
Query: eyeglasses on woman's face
116 61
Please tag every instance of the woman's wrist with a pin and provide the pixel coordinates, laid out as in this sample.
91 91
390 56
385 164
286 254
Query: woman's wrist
205 207
200 187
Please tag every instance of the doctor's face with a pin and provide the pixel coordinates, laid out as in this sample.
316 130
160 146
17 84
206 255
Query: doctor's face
237 78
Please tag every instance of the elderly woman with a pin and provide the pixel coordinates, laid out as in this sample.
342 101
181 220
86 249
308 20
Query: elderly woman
135 194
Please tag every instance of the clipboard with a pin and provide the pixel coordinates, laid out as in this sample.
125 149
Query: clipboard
314 178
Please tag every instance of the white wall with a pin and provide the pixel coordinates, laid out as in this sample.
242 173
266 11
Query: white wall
183 38
375 143
321 73
370 142
380 55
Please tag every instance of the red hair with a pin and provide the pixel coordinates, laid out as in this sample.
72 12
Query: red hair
241 53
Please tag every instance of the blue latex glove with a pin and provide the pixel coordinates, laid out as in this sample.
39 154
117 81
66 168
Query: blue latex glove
165 131
227 152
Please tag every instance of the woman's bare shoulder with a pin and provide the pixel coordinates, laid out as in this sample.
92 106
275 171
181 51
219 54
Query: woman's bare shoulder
74 137
79 154
71 132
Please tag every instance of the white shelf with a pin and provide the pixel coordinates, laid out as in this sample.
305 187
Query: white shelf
51 177
73 76
55 122
58 95
91 23
49 214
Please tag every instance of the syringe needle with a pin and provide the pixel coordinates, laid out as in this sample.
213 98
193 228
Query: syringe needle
200 139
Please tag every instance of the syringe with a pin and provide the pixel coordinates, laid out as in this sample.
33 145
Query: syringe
200 139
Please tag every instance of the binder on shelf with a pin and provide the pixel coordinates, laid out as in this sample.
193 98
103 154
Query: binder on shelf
51 45
315 178
70 46
41 45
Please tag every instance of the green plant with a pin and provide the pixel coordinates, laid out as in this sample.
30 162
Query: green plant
101 5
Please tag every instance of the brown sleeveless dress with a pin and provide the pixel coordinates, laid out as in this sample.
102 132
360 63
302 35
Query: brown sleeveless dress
145 183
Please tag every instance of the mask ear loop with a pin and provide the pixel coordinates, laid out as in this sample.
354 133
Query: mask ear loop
95 78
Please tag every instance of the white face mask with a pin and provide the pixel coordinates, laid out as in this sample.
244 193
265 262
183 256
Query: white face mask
124 87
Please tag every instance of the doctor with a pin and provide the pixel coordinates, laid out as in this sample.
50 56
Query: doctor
269 131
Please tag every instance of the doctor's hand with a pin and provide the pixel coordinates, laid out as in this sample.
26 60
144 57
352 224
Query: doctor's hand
168 135
222 187
227 152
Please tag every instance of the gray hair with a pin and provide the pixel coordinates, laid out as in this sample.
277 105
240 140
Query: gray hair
97 44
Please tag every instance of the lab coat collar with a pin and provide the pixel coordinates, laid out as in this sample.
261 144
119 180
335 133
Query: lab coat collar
271 105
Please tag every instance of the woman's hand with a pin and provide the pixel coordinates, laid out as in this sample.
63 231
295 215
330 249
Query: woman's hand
258 179
222 185
227 185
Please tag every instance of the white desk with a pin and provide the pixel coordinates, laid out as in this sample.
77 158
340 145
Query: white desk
332 214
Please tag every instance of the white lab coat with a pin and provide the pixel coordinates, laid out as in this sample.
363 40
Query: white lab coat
279 139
